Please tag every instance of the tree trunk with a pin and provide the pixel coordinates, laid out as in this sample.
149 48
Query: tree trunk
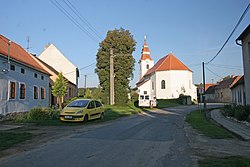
60 103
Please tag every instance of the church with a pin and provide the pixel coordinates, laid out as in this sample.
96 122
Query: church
166 79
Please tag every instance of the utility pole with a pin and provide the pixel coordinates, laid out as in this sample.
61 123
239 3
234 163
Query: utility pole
112 90
204 86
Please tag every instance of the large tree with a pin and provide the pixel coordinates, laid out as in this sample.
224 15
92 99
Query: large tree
123 45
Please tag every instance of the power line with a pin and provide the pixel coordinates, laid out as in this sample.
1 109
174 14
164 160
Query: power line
226 67
72 19
213 73
241 18
79 69
84 20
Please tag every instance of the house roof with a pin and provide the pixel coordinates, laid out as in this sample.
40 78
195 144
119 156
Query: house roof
244 33
17 53
225 83
145 54
169 62
238 80
210 89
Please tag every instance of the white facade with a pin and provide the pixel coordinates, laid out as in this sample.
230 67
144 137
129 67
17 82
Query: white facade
53 57
144 66
238 95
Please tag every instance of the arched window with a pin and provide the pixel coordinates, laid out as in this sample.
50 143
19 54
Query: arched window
147 66
163 84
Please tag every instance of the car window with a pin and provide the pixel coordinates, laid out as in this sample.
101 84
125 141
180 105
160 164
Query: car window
98 104
147 97
91 105
78 103
141 97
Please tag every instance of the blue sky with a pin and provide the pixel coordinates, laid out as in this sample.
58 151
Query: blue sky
193 30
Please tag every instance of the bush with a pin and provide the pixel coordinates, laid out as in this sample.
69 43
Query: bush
42 113
241 113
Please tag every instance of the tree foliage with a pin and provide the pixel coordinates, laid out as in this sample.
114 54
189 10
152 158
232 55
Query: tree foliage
60 89
123 46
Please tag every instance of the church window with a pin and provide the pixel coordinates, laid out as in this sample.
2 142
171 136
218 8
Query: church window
145 92
163 84
147 66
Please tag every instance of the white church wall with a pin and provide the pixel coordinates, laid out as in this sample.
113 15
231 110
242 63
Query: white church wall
143 66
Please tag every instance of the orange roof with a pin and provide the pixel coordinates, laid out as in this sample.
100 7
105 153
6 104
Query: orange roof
145 52
18 53
169 62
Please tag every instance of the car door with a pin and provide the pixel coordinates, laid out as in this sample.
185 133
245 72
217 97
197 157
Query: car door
99 108
91 109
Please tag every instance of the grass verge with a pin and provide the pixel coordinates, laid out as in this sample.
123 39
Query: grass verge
225 162
198 121
8 139
165 103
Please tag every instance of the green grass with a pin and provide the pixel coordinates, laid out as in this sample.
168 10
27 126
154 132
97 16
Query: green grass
225 162
165 103
8 139
198 121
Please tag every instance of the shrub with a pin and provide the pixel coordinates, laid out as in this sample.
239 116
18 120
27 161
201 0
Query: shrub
241 113
42 113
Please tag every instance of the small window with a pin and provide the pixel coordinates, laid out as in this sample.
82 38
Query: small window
163 84
145 92
147 97
141 97
42 77
43 94
22 91
12 90
147 66
22 71
35 75
12 67
98 104
35 92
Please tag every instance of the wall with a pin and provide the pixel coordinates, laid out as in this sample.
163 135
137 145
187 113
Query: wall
238 95
177 82
20 105
143 65
246 65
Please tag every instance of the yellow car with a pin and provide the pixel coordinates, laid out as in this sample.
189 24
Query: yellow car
82 110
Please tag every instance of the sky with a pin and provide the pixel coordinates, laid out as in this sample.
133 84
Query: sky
193 30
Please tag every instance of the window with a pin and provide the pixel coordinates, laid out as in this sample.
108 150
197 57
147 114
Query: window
98 104
141 97
12 67
35 92
22 71
145 92
91 105
35 75
147 97
163 84
43 94
22 91
42 77
147 66
221 94
12 90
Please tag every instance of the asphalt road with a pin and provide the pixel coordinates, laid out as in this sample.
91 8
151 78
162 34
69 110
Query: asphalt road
154 138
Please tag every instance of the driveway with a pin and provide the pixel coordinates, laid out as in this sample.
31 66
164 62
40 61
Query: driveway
154 138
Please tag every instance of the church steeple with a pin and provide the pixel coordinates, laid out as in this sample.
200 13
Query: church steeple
145 54
146 62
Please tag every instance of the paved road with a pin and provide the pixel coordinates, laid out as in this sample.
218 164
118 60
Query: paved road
152 139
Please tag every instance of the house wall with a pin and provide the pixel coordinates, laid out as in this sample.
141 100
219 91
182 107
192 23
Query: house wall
53 57
238 95
177 82
223 95
8 105
246 65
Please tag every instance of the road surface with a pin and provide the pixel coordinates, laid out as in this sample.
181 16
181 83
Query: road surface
155 138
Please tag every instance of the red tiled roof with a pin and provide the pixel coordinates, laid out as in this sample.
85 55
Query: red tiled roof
18 53
238 80
145 52
169 62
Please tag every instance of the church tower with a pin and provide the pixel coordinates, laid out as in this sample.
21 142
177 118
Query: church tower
146 62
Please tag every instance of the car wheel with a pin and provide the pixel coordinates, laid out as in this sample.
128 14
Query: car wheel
86 118
102 116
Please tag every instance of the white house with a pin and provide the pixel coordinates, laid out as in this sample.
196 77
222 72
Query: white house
54 58
238 91
244 41
167 79
24 84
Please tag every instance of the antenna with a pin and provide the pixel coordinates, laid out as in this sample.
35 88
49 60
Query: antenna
28 43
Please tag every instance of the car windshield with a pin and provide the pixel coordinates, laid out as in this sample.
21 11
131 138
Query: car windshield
79 103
